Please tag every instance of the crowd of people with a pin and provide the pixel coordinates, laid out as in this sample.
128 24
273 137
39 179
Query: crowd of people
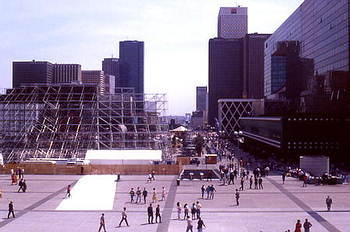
137 196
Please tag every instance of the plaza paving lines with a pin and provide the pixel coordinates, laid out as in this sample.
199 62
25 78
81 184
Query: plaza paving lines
95 192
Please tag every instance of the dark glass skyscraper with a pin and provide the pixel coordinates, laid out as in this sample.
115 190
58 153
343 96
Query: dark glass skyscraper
131 56
253 63
110 66
225 72
201 98
321 27
31 72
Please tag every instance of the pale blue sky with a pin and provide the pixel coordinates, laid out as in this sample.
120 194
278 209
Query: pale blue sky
176 34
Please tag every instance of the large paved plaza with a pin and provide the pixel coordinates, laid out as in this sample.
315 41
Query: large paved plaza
275 208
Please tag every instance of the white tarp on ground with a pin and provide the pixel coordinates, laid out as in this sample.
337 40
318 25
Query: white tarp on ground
123 156
93 192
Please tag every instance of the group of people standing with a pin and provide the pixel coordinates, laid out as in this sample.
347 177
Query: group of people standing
298 226
16 175
210 190
143 194
195 211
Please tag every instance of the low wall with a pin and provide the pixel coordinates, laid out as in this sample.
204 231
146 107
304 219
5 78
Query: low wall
59 169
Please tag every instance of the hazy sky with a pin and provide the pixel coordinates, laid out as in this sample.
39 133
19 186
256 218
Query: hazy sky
176 34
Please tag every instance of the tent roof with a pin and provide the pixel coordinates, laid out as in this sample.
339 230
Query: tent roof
151 155
180 129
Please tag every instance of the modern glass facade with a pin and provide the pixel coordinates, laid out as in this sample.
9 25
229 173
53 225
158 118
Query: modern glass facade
322 28
278 72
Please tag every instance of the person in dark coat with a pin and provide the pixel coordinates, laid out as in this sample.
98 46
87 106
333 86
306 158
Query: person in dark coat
150 214
11 210
158 214
144 194
237 197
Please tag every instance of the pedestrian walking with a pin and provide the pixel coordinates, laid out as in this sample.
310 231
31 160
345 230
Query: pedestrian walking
189 225
283 177
158 214
242 184
198 207
304 181
68 191
237 197
200 224
307 225
132 195
150 214
20 184
138 195
153 175
149 179
251 182
102 223
329 203
179 209
124 218
208 191
203 191
144 194
154 196
261 183
255 182
193 211
212 191
186 211
11 210
163 193
24 186
297 226
231 178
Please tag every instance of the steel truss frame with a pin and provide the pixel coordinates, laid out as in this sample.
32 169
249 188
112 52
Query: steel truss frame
64 121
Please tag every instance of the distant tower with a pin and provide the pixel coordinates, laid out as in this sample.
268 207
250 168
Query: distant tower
131 57
232 22
110 66
201 98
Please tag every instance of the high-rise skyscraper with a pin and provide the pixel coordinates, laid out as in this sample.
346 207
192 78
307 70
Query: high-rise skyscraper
201 98
66 73
31 73
131 56
232 22
110 66
253 65
225 73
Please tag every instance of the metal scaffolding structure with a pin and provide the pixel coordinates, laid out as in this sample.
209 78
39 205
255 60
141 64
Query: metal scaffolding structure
64 121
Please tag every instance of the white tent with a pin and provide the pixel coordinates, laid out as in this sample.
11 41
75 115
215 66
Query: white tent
123 156
179 129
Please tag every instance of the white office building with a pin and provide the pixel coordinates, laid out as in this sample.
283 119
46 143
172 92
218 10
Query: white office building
232 22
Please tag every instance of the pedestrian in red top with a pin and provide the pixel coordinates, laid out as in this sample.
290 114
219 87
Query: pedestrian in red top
298 226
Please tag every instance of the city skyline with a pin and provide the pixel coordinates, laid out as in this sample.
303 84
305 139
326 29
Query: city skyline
175 46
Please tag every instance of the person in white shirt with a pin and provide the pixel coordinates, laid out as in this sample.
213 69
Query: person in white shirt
124 217
189 224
